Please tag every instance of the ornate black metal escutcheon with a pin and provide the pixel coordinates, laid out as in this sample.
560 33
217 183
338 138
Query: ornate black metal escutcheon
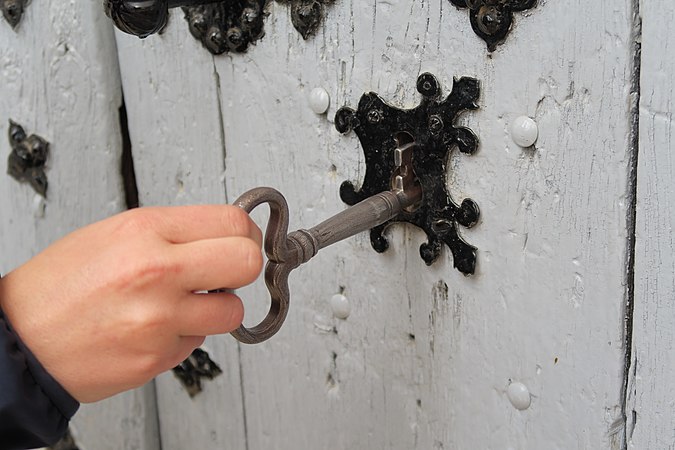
430 124
28 157
221 26
12 10
491 19
197 366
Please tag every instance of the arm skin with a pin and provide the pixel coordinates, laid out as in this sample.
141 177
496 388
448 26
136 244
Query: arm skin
112 305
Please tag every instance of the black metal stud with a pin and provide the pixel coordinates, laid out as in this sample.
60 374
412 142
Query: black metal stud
143 18
222 26
233 25
431 125
491 19
191 371
27 159
12 10
226 26
306 15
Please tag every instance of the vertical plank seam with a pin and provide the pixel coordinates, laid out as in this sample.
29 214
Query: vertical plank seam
221 120
132 201
131 197
158 422
243 395
127 173
127 163
636 52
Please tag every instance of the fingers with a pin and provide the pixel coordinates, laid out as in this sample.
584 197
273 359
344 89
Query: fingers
230 262
208 314
181 351
192 342
181 224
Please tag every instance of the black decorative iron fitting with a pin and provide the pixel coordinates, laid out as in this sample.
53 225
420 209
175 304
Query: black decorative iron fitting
143 18
222 26
197 366
306 15
12 10
28 157
430 124
491 19
227 26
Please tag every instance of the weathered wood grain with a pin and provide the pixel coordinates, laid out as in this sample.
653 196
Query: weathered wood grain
60 79
651 401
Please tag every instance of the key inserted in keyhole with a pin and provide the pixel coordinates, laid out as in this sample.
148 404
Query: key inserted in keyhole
404 178
285 251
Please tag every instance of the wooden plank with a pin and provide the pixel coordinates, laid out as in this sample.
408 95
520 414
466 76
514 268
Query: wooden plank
60 80
651 387
127 421
171 92
545 307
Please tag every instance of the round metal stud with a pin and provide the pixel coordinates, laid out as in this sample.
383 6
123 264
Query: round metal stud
340 306
519 396
319 100
524 131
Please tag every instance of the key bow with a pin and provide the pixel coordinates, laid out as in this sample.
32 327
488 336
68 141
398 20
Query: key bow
280 262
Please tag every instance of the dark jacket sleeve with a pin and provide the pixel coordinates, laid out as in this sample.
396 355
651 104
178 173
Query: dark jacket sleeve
34 408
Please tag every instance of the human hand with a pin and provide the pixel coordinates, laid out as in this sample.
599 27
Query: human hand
111 305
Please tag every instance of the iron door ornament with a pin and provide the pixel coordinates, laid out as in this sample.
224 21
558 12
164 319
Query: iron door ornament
492 19
12 10
221 26
27 159
431 124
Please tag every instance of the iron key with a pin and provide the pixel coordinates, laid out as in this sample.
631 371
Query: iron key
286 252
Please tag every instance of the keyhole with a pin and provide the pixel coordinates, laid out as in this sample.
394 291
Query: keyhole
404 178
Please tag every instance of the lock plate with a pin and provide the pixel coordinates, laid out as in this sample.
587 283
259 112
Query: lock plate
492 19
431 125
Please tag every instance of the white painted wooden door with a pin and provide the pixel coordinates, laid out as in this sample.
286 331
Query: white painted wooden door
568 299
427 355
